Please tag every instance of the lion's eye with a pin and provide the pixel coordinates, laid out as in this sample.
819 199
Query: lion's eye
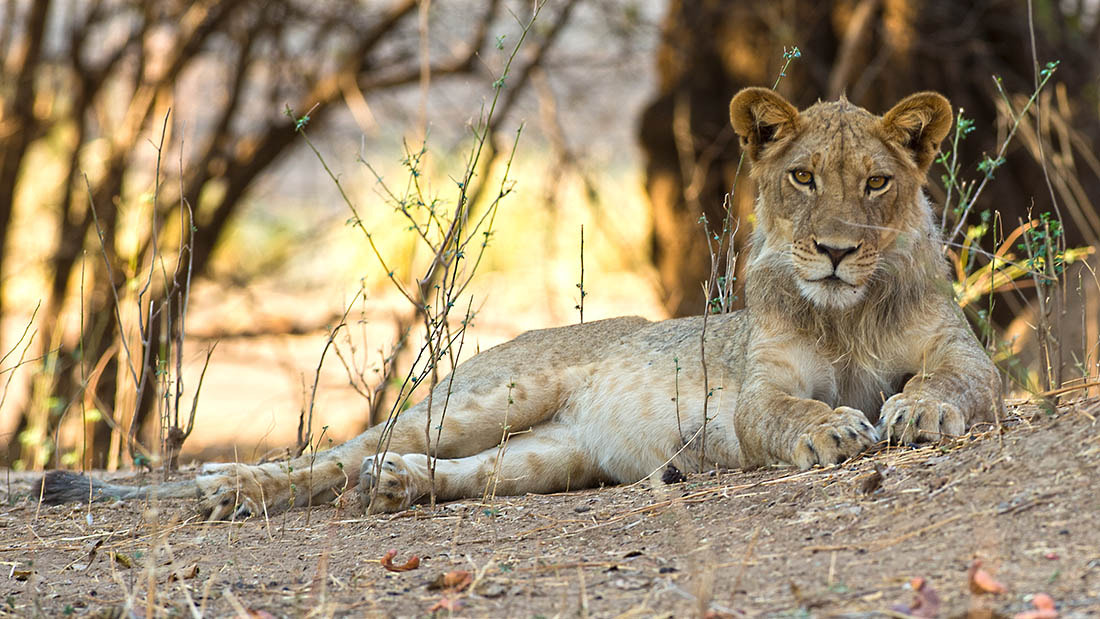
803 177
876 183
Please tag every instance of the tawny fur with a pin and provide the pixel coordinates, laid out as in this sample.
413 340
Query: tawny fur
850 322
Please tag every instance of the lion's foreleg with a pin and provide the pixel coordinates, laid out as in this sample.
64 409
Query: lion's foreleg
955 386
777 419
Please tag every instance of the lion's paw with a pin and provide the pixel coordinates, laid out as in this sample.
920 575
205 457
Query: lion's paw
905 419
232 493
398 483
843 434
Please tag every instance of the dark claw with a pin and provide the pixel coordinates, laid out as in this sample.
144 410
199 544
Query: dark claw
852 434
836 437
916 421
813 451
242 512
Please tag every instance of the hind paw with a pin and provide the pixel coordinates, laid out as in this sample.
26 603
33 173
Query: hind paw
227 504
235 493
391 485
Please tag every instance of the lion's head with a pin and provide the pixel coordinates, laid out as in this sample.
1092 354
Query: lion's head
839 189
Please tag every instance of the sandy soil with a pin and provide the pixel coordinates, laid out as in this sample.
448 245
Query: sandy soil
841 541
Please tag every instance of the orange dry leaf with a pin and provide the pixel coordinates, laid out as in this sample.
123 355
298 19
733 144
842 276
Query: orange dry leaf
387 562
453 581
457 580
448 604
926 602
981 581
1044 608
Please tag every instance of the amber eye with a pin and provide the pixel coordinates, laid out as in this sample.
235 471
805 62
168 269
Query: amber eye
803 177
877 182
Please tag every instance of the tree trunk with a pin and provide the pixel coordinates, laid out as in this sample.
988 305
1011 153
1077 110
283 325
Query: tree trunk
19 122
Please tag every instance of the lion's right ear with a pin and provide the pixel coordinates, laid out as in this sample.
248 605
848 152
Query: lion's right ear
760 116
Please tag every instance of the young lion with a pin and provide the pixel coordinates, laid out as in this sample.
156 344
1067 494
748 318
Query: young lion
850 321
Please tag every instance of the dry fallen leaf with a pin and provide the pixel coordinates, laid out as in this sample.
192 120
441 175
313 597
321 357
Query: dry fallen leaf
1043 601
183 573
387 562
21 575
926 602
455 581
90 550
872 482
448 604
1044 608
170 572
981 581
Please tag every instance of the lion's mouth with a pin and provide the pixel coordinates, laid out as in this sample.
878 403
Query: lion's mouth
830 279
832 291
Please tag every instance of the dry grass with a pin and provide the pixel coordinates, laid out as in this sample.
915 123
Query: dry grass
841 540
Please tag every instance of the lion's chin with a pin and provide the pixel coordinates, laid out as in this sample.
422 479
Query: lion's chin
831 293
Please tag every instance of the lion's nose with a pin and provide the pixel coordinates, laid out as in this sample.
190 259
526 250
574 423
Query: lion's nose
836 254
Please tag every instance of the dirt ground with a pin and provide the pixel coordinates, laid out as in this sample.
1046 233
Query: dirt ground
842 541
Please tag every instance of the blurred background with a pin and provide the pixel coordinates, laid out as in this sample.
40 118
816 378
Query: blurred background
241 229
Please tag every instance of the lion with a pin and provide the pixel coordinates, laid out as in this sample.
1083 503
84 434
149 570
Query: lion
850 335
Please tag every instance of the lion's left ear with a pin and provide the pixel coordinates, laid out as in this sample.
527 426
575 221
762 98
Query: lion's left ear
918 123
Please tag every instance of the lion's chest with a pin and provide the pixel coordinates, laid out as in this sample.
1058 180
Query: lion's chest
861 387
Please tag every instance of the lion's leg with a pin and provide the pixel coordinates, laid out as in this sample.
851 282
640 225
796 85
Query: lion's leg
241 490
473 421
778 419
957 385
543 459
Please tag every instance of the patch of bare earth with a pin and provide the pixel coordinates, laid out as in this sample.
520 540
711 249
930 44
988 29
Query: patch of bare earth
847 540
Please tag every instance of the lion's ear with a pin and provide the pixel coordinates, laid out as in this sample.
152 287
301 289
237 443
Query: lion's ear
918 123
760 116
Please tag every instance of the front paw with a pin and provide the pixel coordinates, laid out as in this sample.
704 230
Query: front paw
391 485
906 419
843 433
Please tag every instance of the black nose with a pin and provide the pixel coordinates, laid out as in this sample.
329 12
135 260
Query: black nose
836 254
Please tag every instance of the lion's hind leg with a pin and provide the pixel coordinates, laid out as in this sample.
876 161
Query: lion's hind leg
544 458
462 420
236 491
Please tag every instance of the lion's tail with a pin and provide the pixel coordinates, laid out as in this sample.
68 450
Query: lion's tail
57 487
